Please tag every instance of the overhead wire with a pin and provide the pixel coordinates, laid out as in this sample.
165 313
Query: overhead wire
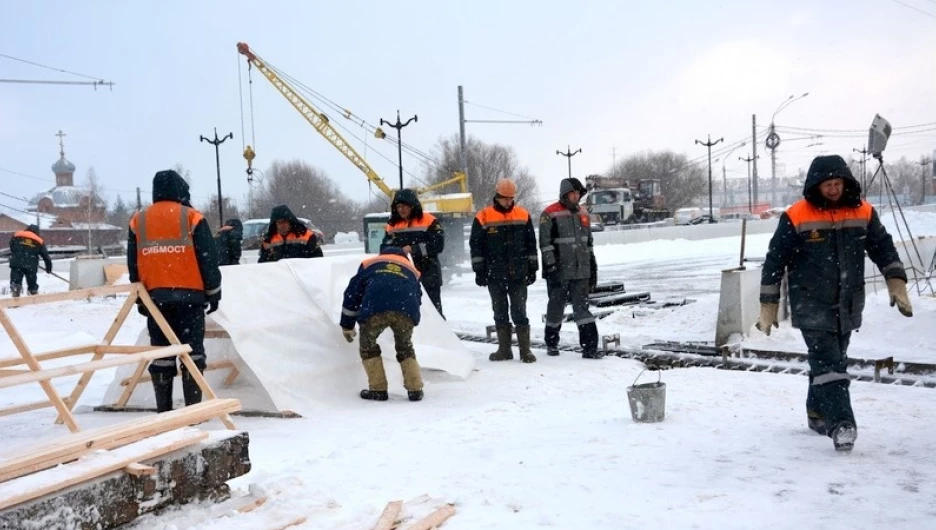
62 70
917 9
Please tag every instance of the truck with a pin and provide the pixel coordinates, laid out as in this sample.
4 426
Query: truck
617 200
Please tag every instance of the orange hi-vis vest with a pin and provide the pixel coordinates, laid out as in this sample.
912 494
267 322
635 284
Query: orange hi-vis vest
165 246
29 235
411 225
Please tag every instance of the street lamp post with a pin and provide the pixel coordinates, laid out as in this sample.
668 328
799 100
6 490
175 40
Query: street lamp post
724 176
399 127
709 145
217 142
750 200
773 141
569 154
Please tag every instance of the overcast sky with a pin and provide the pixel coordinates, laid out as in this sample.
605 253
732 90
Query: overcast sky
610 77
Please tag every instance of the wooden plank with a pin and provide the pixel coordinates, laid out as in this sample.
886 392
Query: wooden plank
251 506
131 385
140 470
71 447
48 356
27 407
389 516
28 488
119 348
157 315
205 388
113 272
4 373
80 294
211 366
47 387
62 371
294 522
432 520
229 380
125 309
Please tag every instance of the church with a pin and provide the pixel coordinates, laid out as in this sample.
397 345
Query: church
67 215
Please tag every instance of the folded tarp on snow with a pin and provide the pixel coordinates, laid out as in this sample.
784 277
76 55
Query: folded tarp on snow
282 320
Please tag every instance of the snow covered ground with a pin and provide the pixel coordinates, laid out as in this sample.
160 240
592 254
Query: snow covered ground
552 445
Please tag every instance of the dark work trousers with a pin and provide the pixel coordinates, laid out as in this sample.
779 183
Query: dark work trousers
188 323
828 390
16 279
402 327
435 295
559 293
516 293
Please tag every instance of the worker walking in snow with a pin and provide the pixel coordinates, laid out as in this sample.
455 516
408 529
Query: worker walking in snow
228 242
170 250
385 293
26 247
287 237
420 235
565 240
820 243
503 258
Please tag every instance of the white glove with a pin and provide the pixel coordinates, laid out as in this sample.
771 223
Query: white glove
349 334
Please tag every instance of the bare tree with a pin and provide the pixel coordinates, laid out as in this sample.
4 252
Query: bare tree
210 211
487 163
681 182
120 214
92 202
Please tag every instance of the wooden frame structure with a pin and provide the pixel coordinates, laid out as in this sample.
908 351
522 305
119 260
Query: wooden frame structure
125 354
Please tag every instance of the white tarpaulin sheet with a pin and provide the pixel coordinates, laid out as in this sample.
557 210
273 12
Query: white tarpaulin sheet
282 319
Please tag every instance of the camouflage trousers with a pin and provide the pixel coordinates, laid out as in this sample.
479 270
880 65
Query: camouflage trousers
402 327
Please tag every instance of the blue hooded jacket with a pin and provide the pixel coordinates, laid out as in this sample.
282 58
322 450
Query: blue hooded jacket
387 282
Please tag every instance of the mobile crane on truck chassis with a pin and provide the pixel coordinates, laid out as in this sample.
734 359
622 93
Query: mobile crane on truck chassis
454 210
617 200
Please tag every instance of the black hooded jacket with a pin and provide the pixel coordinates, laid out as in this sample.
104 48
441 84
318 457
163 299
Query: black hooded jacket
295 245
822 248
503 244
421 232
170 186
565 238
25 250
228 242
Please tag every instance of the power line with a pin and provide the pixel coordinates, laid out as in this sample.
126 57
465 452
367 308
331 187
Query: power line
917 9
501 111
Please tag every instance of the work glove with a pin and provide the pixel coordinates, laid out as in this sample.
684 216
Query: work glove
593 277
141 309
349 334
481 280
531 277
768 317
211 306
897 289
48 269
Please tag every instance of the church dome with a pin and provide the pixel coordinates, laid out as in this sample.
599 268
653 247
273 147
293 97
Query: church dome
63 166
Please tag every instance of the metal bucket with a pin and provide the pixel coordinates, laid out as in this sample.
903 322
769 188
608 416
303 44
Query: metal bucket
647 401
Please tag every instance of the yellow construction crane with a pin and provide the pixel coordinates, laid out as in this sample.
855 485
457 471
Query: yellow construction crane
457 204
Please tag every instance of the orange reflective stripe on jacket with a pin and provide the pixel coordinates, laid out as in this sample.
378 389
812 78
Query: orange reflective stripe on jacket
490 216
166 256
806 217
412 225
29 235
391 258
291 239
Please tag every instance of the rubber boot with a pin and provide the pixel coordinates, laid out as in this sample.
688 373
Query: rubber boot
376 380
503 352
412 379
190 389
523 339
551 336
588 339
15 290
162 385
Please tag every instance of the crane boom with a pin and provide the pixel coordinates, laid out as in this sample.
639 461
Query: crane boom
316 118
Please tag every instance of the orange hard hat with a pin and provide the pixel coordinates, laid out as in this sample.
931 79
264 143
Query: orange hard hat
506 188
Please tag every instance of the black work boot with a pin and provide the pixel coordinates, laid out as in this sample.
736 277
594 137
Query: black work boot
844 436
375 395
415 395
15 290
816 422
588 339
162 385
523 339
503 352
190 389
551 336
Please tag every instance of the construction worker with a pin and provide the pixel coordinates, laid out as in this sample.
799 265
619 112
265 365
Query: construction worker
385 293
171 251
420 235
228 242
503 258
288 237
820 243
25 249
565 240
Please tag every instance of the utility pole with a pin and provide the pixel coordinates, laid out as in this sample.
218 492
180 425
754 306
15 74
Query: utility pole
139 200
216 143
569 154
399 127
861 167
750 202
614 161
709 145
462 153
773 141
754 154
924 162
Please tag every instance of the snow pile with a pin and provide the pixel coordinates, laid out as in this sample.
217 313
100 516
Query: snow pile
342 238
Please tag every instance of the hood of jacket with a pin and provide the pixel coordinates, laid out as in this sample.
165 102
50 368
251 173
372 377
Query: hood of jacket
33 228
405 196
170 186
235 227
283 212
824 168
567 185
